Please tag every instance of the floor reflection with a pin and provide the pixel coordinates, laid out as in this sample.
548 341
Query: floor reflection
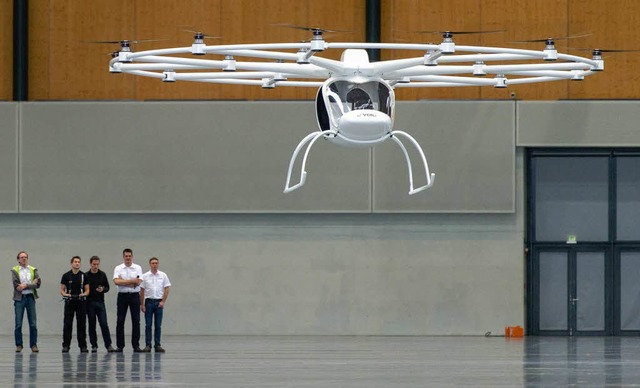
25 376
74 368
138 367
580 361
322 361
153 367
93 368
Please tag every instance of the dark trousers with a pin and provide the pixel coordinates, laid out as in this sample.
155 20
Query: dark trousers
79 309
152 312
97 310
129 301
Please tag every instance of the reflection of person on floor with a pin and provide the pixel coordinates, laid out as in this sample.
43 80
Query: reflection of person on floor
153 368
25 378
26 281
74 288
77 371
154 291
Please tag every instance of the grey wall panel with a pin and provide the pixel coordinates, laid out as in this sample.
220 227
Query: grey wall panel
9 157
470 146
578 123
322 274
182 157
311 274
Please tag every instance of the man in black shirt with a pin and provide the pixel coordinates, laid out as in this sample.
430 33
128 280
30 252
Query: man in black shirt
74 288
98 286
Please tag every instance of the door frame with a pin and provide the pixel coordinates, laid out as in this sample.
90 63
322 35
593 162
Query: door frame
533 247
619 249
571 250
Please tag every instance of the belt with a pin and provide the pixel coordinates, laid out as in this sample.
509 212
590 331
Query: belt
155 300
124 292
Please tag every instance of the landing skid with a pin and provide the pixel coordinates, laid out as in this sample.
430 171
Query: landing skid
310 139
430 176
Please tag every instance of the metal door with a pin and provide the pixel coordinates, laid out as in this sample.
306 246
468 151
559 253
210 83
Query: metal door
627 290
572 291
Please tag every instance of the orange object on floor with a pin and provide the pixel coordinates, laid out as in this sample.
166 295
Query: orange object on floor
514 331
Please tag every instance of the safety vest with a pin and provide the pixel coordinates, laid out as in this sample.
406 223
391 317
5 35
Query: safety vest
33 276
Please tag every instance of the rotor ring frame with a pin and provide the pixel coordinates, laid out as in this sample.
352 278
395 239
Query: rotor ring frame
453 70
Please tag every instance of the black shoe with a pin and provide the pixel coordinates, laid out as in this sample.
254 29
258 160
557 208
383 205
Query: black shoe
65 349
94 349
118 350
137 350
84 350
110 349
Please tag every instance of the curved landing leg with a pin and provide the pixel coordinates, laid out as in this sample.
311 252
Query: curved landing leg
430 176
310 138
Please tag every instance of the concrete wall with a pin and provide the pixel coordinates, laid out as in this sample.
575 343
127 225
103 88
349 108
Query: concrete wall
231 157
9 157
368 274
578 123
283 265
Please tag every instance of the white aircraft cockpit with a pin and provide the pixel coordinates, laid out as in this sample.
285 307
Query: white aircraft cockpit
356 112
361 113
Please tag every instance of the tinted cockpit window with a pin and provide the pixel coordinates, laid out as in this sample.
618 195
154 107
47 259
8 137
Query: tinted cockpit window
345 96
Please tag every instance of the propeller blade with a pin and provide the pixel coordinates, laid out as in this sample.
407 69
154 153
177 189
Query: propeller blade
289 25
122 41
461 32
205 36
604 50
554 39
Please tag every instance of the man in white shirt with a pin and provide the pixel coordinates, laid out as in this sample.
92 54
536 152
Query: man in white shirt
154 291
127 277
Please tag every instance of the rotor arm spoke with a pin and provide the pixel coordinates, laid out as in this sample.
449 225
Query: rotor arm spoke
329 64
201 63
256 54
310 71
397 64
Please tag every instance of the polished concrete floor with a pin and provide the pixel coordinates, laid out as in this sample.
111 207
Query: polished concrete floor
320 361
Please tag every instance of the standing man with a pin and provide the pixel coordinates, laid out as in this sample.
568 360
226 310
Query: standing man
127 277
74 288
98 286
154 291
26 281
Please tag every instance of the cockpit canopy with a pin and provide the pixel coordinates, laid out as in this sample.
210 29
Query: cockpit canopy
337 97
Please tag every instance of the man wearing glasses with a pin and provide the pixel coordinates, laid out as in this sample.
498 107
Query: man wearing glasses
26 282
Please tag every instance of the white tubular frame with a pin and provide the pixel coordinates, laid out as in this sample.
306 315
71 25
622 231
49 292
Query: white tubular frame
430 176
454 70
314 136
310 138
